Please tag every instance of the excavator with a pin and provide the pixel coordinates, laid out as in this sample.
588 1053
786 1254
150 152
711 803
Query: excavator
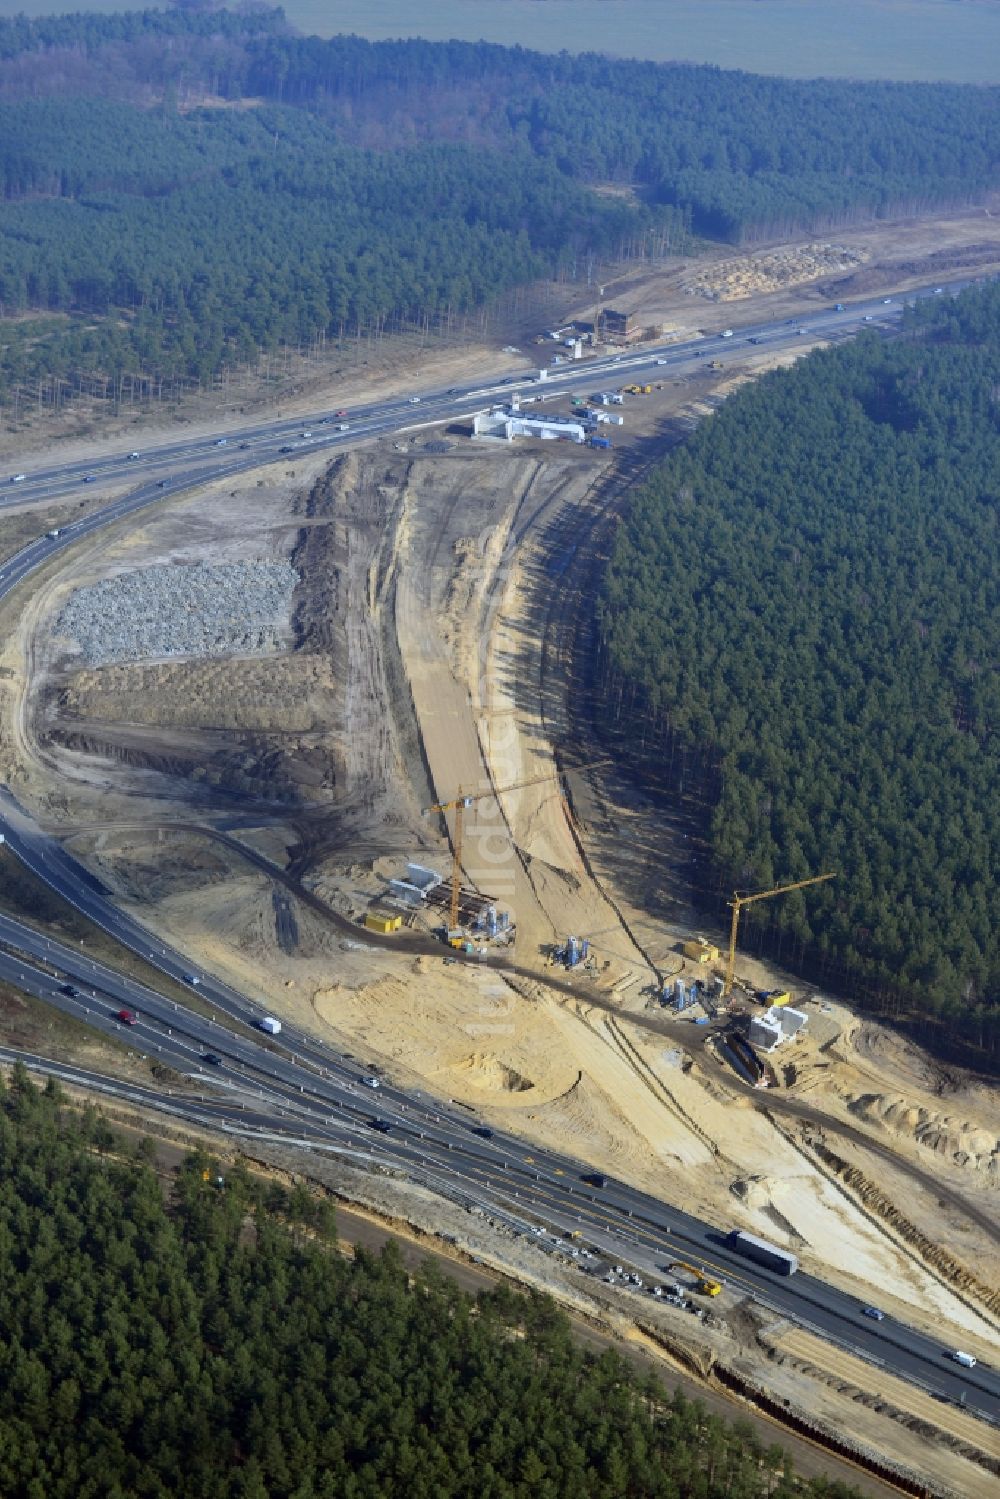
703 1283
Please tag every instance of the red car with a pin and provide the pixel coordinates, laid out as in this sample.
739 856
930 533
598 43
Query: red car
339 414
127 1017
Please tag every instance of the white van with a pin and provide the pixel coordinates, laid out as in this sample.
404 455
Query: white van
18 478
965 1359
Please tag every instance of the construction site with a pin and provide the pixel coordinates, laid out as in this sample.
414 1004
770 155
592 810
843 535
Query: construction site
381 812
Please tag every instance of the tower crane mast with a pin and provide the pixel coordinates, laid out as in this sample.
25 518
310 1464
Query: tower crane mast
460 805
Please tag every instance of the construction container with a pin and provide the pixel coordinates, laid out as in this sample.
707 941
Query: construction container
779 997
377 921
700 951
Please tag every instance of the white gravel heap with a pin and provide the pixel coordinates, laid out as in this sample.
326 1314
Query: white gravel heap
232 609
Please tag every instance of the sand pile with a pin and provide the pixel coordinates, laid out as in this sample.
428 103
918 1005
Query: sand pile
489 1072
959 1141
758 1191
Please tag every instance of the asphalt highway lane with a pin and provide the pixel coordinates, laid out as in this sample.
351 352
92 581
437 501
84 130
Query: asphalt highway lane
226 454
296 1089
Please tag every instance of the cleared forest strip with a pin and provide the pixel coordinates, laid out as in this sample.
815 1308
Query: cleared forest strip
963 1433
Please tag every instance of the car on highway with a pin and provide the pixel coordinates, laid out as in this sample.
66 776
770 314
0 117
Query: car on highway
938 290
371 1082
192 979
127 1017
17 478
220 442
89 478
305 434
132 456
212 1058
886 301
873 1312
414 400
594 1179
69 989
244 445
161 483
483 1131
286 449
867 317
339 414
382 1125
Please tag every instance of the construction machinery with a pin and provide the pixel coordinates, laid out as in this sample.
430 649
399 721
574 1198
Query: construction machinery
704 1284
459 805
739 901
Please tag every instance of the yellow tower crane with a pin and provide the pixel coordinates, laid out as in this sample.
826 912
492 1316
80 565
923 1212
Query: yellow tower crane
459 806
739 901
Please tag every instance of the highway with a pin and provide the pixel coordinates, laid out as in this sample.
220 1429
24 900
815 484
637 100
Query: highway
167 468
296 1088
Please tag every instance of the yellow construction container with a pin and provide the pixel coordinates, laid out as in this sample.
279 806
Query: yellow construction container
700 951
377 921
779 997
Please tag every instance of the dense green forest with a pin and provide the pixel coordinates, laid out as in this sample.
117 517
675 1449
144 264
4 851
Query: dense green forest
204 238
184 190
801 619
215 1346
747 156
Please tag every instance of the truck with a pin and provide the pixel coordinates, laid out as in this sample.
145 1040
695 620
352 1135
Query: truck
271 1026
782 1261
967 1360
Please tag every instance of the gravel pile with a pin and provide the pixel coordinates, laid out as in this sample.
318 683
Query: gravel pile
239 608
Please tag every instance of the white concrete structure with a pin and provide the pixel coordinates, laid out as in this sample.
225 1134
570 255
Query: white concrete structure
777 1024
507 424
405 893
